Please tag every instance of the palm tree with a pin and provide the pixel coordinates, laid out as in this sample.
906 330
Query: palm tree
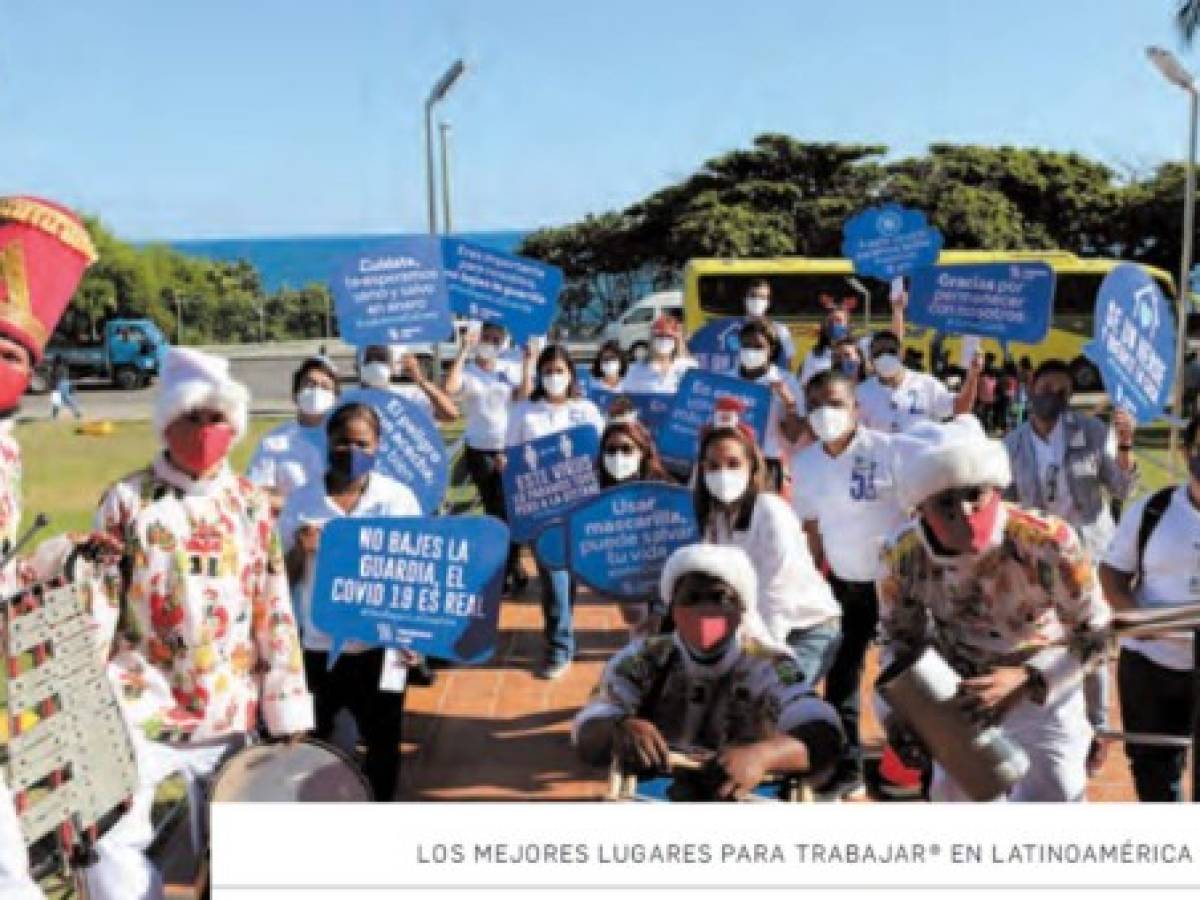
1187 17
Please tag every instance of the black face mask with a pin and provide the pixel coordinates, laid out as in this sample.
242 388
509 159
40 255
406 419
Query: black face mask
1048 407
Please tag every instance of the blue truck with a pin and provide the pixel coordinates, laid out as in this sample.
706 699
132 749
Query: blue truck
129 354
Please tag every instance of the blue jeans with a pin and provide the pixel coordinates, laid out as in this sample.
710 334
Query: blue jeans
558 598
815 649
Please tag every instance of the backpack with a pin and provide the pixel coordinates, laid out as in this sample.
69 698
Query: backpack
1151 515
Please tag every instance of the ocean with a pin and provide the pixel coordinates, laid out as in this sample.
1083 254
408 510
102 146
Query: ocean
297 261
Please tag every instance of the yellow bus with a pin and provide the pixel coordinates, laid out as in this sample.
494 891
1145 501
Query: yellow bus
716 288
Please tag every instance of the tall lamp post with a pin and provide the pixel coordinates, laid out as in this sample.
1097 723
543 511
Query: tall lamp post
443 146
437 93
1175 73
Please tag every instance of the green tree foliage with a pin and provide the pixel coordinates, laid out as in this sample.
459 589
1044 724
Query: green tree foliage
220 302
788 197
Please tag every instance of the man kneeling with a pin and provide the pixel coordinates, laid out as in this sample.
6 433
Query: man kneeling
718 684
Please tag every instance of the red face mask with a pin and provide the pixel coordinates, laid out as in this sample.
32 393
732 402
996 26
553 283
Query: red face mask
200 447
983 522
13 383
703 628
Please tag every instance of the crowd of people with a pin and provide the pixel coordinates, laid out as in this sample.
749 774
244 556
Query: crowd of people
876 509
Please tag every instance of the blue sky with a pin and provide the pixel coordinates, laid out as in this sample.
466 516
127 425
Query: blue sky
228 117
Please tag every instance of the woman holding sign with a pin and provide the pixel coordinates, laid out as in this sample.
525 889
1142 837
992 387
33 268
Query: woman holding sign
552 407
369 683
662 372
784 425
733 507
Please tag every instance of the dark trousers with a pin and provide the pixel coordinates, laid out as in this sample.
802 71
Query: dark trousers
353 684
1157 700
483 467
843 691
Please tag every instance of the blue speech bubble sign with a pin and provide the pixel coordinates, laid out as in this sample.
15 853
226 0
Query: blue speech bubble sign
1133 342
550 546
545 477
394 294
431 585
618 541
716 345
411 449
890 240
489 286
1005 301
692 410
652 409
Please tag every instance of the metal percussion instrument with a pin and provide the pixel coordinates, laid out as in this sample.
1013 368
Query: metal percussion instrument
981 759
308 771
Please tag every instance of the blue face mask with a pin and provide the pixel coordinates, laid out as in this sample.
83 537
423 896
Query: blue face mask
849 367
837 332
350 463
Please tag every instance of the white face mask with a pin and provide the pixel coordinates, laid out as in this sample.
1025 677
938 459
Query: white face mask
727 485
830 422
622 465
664 346
556 385
377 374
487 351
752 359
314 401
888 365
757 306
611 368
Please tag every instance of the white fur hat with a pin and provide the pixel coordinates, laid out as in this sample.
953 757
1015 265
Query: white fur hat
193 380
730 564
932 457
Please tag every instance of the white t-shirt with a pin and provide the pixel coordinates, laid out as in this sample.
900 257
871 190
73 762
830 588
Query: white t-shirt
644 378
852 498
1170 571
775 443
287 458
310 504
532 419
791 592
815 362
487 397
918 398
1052 472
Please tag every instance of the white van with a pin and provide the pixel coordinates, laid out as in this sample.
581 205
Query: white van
632 329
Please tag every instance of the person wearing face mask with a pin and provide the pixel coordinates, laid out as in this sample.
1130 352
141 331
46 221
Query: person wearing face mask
289 456
412 385
847 359
1151 563
718 683
628 454
835 332
1008 597
663 370
848 504
784 417
487 389
367 682
758 301
609 367
206 641
896 398
1064 463
734 508
552 407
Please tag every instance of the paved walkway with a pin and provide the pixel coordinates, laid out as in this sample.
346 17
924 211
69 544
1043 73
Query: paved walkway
500 733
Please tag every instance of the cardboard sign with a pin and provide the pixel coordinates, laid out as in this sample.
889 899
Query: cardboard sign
520 294
429 585
1005 301
716 345
1133 343
886 241
411 449
617 542
544 478
393 295
692 410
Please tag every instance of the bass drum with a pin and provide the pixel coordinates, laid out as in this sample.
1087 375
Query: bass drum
308 771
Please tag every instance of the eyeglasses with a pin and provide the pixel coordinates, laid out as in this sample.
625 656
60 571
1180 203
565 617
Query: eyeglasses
622 449
953 499
719 596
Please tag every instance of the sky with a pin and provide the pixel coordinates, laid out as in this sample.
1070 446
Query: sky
233 118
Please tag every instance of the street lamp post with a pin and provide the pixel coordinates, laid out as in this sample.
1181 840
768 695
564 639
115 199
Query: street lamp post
444 135
1169 66
440 88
